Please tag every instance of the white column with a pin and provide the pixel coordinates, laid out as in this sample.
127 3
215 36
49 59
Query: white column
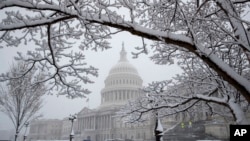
124 94
88 122
104 98
101 98
109 121
120 95
97 123
111 95
107 96
94 122
84 123
101 122
104 123
79 124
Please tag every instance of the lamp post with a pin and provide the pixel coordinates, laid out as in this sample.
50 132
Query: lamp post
158 130
158 127
26 124
72 118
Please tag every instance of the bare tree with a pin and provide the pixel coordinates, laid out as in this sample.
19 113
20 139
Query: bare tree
204 28
20 99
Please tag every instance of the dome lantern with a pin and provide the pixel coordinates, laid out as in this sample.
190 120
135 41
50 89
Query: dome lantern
123 54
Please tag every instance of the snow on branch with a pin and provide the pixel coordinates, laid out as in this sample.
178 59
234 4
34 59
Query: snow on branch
213 31
196 90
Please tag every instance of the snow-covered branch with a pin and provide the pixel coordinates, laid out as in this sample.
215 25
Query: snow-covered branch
210 30
197 90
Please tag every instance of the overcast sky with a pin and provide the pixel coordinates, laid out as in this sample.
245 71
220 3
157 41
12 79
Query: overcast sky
60 107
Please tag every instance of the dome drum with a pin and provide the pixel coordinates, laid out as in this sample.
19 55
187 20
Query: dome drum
118 97
123 81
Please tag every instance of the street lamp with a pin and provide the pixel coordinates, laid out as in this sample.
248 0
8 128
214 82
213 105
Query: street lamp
158 130
72 118
158 127
26 124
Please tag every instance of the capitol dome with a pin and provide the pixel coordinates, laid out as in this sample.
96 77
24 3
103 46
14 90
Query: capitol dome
122 83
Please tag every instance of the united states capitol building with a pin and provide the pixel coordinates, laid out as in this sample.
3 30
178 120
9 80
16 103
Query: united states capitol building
123 83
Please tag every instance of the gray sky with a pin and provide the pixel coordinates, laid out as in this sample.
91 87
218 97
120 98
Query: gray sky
60 107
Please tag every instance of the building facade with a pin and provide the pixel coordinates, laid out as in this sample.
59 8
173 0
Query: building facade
49 129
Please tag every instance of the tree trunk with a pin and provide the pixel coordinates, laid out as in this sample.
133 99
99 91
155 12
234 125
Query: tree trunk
17 131
16 135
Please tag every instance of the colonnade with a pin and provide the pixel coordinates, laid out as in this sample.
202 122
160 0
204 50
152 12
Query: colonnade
135 81
119 95
95 122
